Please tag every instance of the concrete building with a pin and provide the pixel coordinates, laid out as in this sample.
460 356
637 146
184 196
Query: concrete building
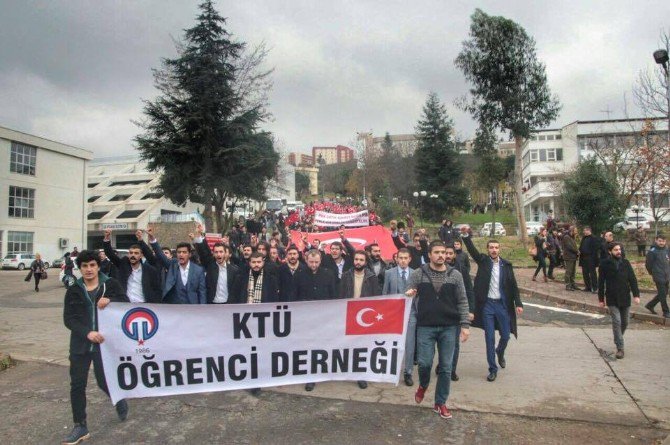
300 159
406 144
283 185
122 196
504 149
332 155
549 154
43 195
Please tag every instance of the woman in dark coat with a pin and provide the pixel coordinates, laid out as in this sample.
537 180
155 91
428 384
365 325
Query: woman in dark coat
37 270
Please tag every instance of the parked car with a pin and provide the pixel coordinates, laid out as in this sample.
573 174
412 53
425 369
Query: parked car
533 227
58 262
632 223
499 230
19 261
458 227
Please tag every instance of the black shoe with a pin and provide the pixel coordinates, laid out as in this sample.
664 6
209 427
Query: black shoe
79 433
255 392
454 377
362 384
122 409
501 360
408 380
569 288
492 376
650 308
37 289
309 386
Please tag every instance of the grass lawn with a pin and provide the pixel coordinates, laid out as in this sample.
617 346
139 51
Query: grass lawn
644 280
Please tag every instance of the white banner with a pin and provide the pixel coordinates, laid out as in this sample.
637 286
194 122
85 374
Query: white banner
326 219
161 349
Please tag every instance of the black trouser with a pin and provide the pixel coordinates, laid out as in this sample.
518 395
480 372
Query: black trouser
541 266
38 277
552 264
661 296
641 249
590 274
79 366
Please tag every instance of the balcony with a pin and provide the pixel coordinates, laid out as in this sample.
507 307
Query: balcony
544 189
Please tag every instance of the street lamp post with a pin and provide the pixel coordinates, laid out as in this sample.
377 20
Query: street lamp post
661 57
636 209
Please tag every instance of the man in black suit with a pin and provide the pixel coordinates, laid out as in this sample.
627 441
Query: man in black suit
140 281
340 259
221 277
288 272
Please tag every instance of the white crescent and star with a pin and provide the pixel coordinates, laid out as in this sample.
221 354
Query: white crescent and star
362 312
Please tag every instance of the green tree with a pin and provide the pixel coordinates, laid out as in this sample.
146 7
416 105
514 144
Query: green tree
301 183
438 168
492 169
508 85
591 196
202 131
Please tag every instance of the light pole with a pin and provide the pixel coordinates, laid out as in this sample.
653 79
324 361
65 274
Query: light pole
636 209
661 57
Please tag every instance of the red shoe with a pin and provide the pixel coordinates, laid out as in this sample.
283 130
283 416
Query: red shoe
418 395
443 411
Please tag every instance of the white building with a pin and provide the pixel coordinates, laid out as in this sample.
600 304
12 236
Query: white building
122 196
550 153
43 195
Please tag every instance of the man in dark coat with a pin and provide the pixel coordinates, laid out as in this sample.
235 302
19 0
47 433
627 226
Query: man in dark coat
288 272
341 257
617 281
589 250
570 253
452 260
497 300
90 293
140 281
360 281
222 277
315 282
447 233
658 266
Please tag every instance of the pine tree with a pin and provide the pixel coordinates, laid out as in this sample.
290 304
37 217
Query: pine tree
200 132
438 168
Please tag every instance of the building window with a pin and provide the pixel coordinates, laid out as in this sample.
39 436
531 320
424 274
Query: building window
550 137
22 159
130 182
120 198
543 155
542 138
558 137
21 202
533 156
559 154
526 159
19 242
130 214
97 215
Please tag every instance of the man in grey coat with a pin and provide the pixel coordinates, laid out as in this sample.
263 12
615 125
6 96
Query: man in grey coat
395 282
658 266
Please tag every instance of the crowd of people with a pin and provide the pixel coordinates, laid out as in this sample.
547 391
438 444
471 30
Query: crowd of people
245 268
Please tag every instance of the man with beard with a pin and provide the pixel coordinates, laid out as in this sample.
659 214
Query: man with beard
140 281
658 266
497 300
376 263
589 250
242 260
359 282
315 282
288 272
442 310
418 251
340 258
606 246
617 281
222 277
185 280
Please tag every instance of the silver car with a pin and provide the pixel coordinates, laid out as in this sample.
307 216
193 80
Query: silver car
18 261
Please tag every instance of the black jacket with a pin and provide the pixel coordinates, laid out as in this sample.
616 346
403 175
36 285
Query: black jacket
508 286
328 262
370 287
605 249
616 281
270 292
467 281
208 261
151 282
287 281
589 251
315 286
80 313
415 261
448 234
657 264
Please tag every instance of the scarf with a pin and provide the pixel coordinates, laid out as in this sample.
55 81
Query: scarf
255 289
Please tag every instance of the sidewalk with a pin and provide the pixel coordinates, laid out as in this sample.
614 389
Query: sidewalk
555 291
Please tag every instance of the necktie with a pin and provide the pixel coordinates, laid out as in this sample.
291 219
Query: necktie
404 277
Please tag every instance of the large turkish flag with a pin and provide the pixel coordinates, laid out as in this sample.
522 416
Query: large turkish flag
359 238
368 316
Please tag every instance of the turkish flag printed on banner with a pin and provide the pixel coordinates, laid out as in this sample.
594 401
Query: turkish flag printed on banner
359 238
367 316
213 238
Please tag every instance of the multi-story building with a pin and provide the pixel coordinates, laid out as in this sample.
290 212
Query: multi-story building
300 159
504 149
43 195
549 154
332 155
405 144
122 196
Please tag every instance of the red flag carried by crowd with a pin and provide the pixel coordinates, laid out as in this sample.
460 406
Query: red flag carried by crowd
359 238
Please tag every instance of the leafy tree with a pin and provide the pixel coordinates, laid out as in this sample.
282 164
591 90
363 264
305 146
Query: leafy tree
438 168
202 131
509 85
301 183
492 169
591 196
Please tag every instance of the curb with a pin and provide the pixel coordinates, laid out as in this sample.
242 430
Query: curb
657 319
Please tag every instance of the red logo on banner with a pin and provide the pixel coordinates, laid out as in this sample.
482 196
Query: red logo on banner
375 316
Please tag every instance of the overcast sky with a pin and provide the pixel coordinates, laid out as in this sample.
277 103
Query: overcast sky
76 71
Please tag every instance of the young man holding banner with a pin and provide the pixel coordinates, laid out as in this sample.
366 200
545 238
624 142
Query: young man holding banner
92 292
442 307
